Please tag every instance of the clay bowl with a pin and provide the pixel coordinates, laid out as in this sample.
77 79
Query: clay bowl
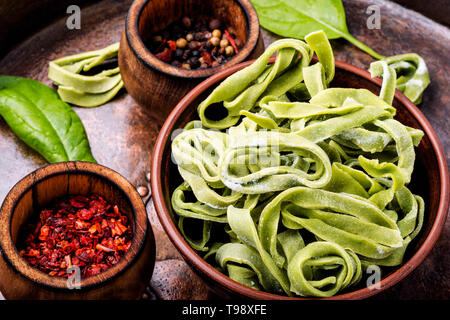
169 84
430 180
125 280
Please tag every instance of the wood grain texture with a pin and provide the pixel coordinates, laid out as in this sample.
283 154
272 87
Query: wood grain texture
122 133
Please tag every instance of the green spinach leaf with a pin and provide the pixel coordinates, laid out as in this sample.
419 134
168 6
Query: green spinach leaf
297 18
38 116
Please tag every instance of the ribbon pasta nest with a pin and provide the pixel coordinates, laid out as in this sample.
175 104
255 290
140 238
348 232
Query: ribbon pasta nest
293 187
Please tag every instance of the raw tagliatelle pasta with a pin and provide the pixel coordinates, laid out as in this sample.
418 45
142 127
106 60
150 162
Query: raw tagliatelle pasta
86 90
293 187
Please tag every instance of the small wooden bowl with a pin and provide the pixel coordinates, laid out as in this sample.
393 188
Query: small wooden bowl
158 85
125 280
430 180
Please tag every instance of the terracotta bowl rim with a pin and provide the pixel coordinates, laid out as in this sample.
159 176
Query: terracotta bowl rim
142 227
212 274
151 61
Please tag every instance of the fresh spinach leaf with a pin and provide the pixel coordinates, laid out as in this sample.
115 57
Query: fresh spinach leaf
37 115
297 18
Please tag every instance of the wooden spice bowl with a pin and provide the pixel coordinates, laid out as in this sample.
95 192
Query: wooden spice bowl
430 180
158 85
125 280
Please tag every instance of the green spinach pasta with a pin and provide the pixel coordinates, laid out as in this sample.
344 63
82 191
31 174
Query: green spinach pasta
293 187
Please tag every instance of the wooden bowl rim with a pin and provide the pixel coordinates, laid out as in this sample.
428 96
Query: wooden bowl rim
151 61
204 267
142 228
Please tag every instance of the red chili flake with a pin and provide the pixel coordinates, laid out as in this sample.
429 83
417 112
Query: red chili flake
231 40
66 246
45 214
172 45
161 45
79 202
80 231
32 253
93 270
44 233
85 214
95 228
103 248
82 224
68 261
165 55
85 241
207 58
82 199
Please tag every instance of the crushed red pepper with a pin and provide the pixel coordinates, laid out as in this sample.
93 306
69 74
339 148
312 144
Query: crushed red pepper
87 232
231 40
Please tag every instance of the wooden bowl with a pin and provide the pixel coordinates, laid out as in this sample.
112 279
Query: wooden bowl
430 180
125 280
158 85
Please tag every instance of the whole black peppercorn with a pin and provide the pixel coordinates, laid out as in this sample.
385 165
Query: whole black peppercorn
193 45
209 45
177 29
215 24
186 22
195 53
194 62
198 36
186 54
206 35
179 53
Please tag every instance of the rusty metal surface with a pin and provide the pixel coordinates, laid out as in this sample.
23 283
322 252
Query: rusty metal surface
122 133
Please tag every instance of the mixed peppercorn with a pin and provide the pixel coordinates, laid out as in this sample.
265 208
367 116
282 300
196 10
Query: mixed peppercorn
87 232
193 44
